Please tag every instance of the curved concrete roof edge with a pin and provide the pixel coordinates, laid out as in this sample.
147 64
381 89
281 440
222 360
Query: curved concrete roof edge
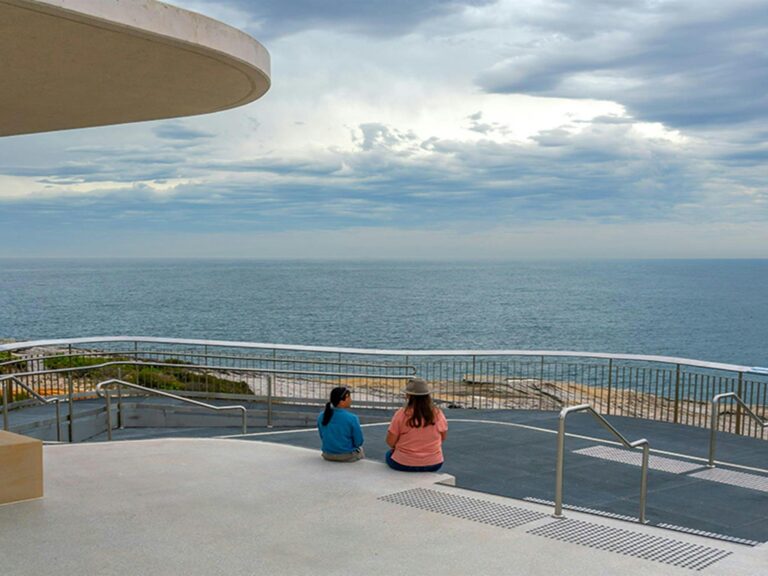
155 18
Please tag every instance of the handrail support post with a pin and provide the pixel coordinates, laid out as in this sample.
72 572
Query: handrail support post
58 419
559 465
713 423
6 422
109 415
644 482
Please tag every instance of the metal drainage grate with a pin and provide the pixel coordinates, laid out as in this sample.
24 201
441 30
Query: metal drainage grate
637 544
594 511
635 458
714 535
482 511
741 479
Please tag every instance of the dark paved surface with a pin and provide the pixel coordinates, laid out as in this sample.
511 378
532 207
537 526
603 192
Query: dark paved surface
520 463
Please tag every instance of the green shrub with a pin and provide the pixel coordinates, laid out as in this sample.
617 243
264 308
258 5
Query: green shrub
60 362
6 357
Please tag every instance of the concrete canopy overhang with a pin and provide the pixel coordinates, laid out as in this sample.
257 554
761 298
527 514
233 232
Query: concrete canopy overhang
80 63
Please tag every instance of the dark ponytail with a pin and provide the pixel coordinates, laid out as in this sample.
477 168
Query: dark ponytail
337 395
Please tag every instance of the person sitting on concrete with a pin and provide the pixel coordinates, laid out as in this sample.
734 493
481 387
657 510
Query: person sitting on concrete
417 431
340 429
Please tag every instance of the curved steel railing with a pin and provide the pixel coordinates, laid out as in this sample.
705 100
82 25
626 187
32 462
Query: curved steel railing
561 457
100 390
385 352
715 414
269 372
662 388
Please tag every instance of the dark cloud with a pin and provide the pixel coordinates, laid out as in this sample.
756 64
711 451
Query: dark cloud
178 131
371 17
686 64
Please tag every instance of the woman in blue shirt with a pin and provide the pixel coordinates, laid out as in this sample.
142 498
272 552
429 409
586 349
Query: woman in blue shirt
340 429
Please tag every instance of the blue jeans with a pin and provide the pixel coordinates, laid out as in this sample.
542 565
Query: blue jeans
403 468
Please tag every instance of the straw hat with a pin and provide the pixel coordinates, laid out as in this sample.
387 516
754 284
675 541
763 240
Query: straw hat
417 387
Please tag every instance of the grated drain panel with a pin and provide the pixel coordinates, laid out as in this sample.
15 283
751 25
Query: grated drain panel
636 544
594 511
493 513
714 535
636 459
740 479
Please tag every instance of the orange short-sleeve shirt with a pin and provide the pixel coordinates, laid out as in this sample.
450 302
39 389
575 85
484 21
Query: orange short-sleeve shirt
418 446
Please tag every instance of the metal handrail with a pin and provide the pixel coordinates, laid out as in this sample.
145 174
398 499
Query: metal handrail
268 372
385 352
6 422
715 415
105 394
561 457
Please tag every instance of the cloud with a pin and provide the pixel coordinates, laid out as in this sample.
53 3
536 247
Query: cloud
273 18
685 64
558 239
621 125
179 131
611 171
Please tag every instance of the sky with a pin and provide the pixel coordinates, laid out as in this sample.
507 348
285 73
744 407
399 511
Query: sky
394 129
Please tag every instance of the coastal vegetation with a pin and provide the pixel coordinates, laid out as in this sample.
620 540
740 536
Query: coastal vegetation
86 371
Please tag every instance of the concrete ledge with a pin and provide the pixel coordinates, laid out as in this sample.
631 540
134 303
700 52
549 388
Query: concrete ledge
21 468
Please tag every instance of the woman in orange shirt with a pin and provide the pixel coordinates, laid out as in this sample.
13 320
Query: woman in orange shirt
417 431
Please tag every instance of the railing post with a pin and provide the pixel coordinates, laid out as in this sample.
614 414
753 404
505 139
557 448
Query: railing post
207 361
610 384
135 359
120 424
453 399
713 423
644 483
559 468
541 383
677 395
474 380
109 415
6 423
58 420
70 398
270 379
739 393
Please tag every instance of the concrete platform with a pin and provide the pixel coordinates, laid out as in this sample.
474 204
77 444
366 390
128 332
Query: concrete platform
214 506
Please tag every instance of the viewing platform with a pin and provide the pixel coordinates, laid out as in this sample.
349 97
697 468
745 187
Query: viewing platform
223 506
203 491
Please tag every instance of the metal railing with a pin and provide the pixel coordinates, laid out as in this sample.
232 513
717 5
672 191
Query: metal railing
5 381
559 471
715 414
659 388
100 390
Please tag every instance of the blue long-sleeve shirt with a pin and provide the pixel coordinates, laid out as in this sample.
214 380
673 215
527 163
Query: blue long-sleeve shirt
342 434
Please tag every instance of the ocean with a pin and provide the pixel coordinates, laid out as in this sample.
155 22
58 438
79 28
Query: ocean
714 310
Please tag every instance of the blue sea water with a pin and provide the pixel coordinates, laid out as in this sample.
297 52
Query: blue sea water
710 310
